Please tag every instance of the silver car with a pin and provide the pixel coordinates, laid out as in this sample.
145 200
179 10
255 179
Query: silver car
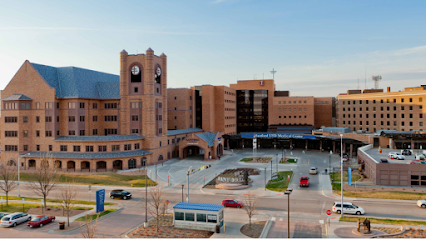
15 219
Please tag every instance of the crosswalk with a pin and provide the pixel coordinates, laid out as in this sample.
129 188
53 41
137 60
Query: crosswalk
274 219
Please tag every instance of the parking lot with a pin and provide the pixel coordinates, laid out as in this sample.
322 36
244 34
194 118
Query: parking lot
385 154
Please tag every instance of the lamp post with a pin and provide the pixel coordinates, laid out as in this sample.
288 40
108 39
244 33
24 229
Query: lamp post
146 194
187 196
271 169
277 162
182 191
341 175
19 173
288 192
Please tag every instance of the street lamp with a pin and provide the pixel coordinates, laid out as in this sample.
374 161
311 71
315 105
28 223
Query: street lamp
271 169
19 172
187 196
341 175
146 194
277 162
288 192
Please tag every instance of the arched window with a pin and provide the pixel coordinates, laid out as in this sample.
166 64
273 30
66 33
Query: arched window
136 74
11 163
132 163
158 74
160 157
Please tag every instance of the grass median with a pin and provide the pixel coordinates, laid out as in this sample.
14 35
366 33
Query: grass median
381 195
385 221
104 179
246 160
94 216
281 183
336 176
55 200
18 207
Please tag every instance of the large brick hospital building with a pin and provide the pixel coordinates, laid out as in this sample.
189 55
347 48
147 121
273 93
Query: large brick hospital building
89 121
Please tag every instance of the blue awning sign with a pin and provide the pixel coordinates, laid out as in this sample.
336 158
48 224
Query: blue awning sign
278 135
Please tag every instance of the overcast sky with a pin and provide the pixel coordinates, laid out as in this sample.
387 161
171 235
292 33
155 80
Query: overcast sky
318 48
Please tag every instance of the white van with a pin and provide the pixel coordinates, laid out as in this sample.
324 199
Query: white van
347 208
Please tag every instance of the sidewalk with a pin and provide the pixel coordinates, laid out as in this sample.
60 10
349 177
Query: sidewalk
234 220
344 229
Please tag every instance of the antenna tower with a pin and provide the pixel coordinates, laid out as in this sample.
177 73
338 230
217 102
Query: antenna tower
376 80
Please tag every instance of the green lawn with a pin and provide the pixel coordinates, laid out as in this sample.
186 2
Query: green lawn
17 207
108 179
94 216
246 160
55 200
381 195
280 184
384 221
289 160
336 177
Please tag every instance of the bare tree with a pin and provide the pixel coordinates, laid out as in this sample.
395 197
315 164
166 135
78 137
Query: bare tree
250 205
88 227
8 177
68 195
45 178
157 203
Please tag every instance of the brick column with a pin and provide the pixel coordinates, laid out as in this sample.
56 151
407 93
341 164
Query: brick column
109 165
351 150
334 147
78 165
125 164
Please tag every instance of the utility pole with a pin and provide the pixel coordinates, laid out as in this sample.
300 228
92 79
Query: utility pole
341 176
277 163
146 195
265 179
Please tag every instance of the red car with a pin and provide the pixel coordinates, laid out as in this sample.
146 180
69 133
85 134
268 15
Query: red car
232 203
304 182
41 220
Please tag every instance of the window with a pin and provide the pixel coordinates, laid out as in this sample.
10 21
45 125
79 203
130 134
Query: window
82 105
135 118
110 105
411 115
411 100
115 148
37 133
25 147
57 132
89 148
11 119
13 134
25 119
136 105
175 98
179 215
95 131
102 148
110 131
81 118
127 147
82 133
95 118
374 108
49 105
189 217
212 218
48 119
95 105
71 118
402 100
136 89
11 148
421 115
38 105
137 146
135 131
402 116
48 133
37 119
38 147
110 118
71 105
57 118
25 133
71 132
76 148
63 148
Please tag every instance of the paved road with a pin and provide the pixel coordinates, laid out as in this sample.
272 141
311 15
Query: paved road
307 205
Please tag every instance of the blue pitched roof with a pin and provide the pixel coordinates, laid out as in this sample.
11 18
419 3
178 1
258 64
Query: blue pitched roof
198 206
96 155
209 137
73 82
14 97
183 131
99 138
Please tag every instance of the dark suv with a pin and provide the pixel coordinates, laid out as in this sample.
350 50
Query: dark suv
406 152
120 194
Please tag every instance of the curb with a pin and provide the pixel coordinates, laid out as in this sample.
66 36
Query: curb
266 229
403 229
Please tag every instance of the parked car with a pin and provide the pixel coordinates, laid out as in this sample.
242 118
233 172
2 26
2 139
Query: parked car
304 182
41 220
347 208
384 160
14 219
2 215
313 170
120 194
232 203
417 162
396 155
406 152
419 157
421 203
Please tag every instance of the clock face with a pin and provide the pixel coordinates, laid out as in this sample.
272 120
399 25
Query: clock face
135 70
158 71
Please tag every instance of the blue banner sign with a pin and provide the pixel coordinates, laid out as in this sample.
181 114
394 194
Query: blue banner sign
100 200
350 176
278 135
